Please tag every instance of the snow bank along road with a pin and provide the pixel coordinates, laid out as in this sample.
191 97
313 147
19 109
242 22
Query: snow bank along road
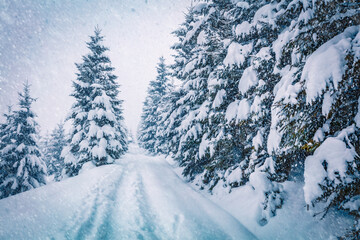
139 197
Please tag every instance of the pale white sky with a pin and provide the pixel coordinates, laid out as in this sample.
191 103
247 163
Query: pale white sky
41 40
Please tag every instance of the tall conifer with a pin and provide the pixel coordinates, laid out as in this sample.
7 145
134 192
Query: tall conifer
22 166
153 108
98 134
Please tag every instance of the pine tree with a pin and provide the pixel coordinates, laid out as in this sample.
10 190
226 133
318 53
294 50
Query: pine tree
175 109
249 109
167 134
153 109
322 117
53 145
6 145
241 94
225 146
195 59
312 122
98 133
46 153
23 168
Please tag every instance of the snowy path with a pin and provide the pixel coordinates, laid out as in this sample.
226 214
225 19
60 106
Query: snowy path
140 197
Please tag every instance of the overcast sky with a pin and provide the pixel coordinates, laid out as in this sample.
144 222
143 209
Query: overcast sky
40 40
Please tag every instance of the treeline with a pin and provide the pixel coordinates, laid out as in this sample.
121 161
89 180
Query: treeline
97 136
269 93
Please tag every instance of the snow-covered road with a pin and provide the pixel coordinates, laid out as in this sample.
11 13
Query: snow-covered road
139 197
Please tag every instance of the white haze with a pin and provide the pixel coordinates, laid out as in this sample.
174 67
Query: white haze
41 40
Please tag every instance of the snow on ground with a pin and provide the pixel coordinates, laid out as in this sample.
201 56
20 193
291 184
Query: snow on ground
292 221
139 197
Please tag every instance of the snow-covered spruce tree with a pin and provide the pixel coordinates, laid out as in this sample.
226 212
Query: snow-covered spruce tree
268 31
318 105
317 23
153 108
6 145
212 156
23 168
213 130
227 130
175 110
167 135
44 144
259 84
98 134
244 85
162 141
195 59
277 25
251 98
194 83
52 148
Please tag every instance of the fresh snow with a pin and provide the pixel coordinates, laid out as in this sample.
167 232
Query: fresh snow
243 28
325 67
199 7
327 103
237 53
258 140
201 38
333 153
353 204
218 100
204 145
138 197
357 117
241 4
292 221
237 110
248 80
283 90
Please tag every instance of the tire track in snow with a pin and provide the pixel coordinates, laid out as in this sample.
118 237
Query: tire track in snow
131 215
94 203
147 217
185 213
142 198
107 227
139 197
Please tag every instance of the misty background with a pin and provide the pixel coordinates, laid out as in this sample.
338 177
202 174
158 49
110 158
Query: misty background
41 40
